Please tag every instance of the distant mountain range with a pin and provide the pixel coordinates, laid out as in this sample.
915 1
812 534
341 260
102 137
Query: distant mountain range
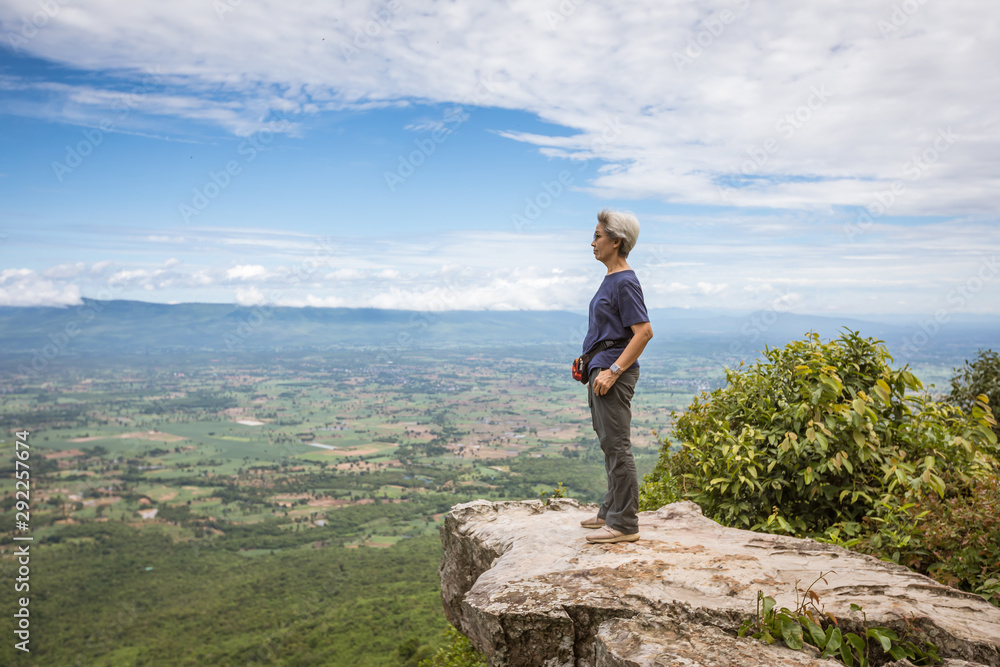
129 327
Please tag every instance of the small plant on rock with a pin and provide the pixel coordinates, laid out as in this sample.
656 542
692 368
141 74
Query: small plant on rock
558 492
805 625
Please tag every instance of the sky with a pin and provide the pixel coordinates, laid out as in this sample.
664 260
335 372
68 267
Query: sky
825 157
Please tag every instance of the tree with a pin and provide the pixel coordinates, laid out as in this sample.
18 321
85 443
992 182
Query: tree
979 378
815 438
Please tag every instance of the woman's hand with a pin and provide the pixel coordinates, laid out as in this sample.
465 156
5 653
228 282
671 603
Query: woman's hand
603 382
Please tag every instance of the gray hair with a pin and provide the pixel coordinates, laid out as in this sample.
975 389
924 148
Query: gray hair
620 225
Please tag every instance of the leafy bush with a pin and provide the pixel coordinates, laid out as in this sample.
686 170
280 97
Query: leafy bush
816 437
955 540
458 651
981 377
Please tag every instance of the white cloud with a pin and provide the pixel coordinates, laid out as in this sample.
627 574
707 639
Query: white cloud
127 278
201 278
24 287
65 270
673 287
343 274
782 104
708 289
246 272
249 296
325 302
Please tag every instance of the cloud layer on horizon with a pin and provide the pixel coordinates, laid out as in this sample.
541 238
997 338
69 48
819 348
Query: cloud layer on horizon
737 263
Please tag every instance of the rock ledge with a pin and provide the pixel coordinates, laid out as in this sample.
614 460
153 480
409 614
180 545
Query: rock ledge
521 582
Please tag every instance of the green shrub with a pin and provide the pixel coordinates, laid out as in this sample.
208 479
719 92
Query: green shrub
458 651
816 437
955 540
979 378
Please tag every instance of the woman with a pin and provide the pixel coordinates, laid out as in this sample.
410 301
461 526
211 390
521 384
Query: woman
617 334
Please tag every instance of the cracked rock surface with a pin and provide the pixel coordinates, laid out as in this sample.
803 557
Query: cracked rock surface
519 579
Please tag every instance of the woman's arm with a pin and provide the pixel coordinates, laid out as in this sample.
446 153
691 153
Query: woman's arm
642 334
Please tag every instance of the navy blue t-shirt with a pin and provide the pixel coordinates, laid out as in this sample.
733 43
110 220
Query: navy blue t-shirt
617 305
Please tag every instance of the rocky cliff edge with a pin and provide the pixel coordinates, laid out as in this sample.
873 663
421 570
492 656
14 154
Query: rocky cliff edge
521 582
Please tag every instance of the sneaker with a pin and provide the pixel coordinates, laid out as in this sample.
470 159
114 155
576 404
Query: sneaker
592 522
608 535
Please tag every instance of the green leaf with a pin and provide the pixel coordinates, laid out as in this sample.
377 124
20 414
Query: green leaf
857 642
890 633
769 603
911 380
859 405
875 633
833 640
937 484
791 632
816 633
859 439
823 443
882 390
845 655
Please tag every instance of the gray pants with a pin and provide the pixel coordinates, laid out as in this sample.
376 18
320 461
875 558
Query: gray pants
612 417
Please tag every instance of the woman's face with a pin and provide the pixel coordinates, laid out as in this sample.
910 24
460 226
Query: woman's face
604 248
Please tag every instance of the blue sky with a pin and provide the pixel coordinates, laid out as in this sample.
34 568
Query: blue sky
827 158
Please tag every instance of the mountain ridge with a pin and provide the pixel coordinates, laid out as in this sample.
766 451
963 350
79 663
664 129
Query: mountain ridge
125 326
